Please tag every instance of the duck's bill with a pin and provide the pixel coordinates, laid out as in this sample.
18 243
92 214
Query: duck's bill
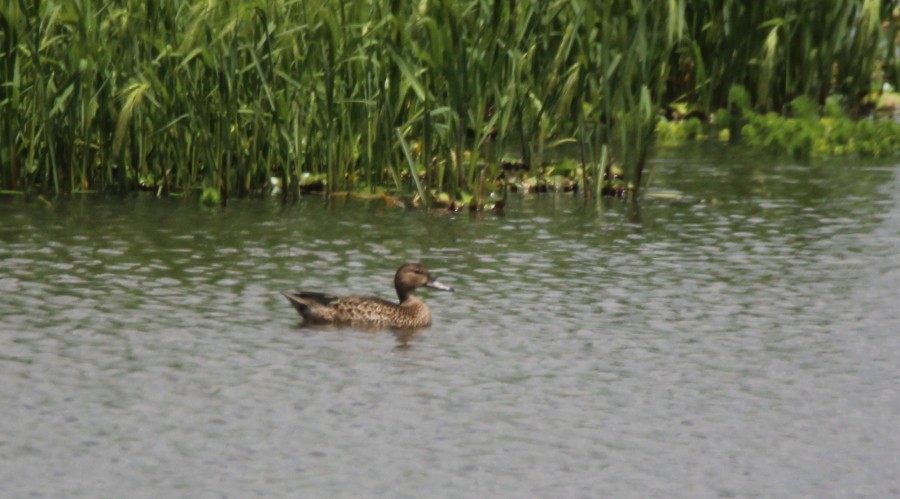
437 285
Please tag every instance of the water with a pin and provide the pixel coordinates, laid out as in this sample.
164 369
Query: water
739 342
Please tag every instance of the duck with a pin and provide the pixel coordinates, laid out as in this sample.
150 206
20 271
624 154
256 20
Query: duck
370 311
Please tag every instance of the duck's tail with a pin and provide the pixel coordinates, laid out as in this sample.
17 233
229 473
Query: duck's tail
302 301
297 301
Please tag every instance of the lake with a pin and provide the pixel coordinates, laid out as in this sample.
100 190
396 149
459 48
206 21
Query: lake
737 338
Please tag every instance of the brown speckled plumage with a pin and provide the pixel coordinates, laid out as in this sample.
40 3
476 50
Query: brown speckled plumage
369 311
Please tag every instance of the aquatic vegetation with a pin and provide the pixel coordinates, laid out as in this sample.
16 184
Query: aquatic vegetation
421 98
804 132
210 197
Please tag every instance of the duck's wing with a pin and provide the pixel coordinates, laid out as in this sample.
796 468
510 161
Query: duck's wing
358 310
309 298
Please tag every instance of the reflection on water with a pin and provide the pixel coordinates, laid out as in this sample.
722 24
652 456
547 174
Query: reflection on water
740 341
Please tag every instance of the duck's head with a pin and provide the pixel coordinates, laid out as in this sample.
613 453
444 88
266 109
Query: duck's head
414 275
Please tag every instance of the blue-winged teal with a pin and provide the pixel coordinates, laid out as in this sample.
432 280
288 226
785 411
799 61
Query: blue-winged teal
369 311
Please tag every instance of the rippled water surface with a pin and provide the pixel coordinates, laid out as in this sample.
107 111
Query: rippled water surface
740 341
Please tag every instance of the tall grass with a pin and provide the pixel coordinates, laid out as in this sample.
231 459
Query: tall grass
419 96
783 49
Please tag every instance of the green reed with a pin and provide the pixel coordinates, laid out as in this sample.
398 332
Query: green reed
179 96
